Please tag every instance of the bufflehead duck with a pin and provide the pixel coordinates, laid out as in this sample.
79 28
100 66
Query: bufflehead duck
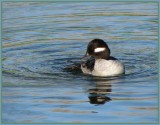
99 62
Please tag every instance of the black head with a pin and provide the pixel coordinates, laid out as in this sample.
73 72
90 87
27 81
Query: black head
99 49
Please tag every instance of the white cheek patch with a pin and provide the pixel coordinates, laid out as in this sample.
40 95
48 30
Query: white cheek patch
99 50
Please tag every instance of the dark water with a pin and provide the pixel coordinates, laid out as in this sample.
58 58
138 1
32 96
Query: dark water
41 39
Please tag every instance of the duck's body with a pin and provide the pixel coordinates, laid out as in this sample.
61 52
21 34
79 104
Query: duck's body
102 64
104 67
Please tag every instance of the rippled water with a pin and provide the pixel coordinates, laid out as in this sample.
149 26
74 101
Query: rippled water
41 39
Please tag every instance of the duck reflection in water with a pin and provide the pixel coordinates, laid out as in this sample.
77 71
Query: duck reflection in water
100 93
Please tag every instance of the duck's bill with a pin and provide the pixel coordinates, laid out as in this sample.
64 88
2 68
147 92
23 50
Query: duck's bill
85 58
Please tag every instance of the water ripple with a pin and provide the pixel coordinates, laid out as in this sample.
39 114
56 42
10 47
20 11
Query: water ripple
42 41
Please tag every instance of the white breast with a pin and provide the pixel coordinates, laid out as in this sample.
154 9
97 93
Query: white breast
108 68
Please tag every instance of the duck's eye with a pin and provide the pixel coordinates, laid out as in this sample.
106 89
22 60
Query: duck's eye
99 50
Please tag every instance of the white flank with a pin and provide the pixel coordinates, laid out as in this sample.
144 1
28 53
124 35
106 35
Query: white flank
99 50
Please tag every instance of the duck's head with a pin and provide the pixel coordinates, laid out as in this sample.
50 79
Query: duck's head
98 49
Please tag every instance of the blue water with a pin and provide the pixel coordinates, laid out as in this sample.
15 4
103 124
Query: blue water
41 40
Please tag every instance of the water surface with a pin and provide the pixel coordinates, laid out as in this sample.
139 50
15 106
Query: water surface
41 39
